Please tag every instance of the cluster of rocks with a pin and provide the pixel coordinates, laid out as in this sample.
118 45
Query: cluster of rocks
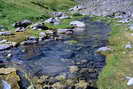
46 33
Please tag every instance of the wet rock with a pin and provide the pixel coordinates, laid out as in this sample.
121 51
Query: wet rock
3 41
39 26
33 38
7 70
22 24
28 42
9 55
6 85
54 21
73 69
24 83
77 24
5 46
103 49
6 33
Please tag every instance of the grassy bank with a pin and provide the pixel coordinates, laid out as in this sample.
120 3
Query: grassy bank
119 62
16 10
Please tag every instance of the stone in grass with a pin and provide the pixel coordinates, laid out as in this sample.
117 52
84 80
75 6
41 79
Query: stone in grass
128 46
130 81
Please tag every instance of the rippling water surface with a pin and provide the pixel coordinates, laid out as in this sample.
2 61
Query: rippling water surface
55 57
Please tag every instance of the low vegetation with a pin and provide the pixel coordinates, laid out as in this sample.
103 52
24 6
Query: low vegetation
14 10
119 62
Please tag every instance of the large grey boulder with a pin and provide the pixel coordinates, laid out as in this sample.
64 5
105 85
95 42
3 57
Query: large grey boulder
77 24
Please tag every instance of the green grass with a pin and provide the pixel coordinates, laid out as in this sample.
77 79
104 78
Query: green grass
120 60
16 10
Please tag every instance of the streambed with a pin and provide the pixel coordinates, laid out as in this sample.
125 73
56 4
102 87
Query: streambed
54 58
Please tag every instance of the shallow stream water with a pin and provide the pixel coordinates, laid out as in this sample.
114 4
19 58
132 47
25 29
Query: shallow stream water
55 57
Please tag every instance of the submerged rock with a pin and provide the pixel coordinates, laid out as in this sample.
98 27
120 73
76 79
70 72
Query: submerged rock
73 69
103 49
